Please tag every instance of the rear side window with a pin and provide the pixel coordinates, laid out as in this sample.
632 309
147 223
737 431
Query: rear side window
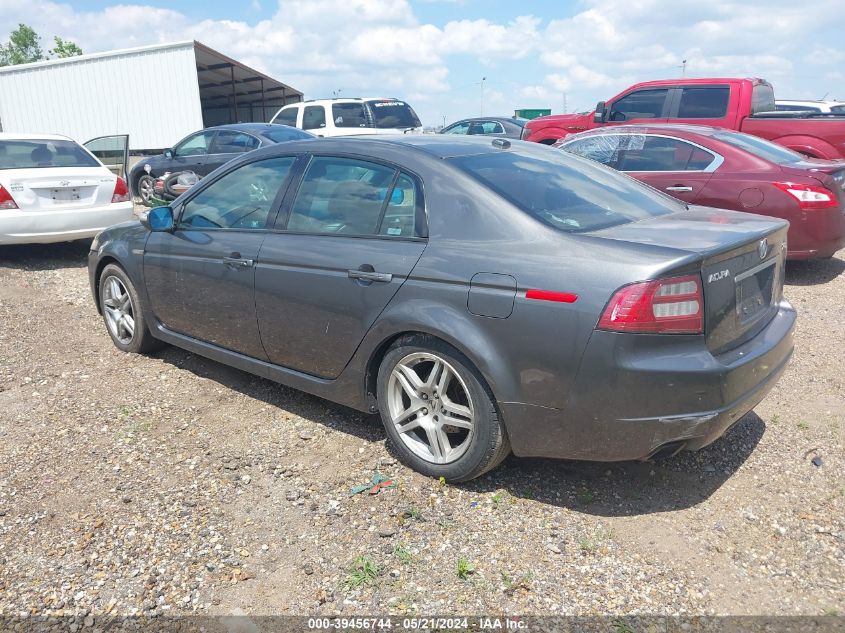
241 199
37 153
349 115
282 134
487 127
228 142
313 118
762 99
704 103
643 104
354 197
566 192
782 107
659 153
287 116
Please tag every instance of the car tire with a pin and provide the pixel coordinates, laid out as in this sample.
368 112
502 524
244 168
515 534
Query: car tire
145 188
457 434
123 314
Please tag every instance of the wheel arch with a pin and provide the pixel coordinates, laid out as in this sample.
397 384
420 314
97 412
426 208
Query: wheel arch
98 274
484 358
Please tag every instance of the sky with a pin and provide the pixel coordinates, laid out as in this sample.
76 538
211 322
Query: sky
456 58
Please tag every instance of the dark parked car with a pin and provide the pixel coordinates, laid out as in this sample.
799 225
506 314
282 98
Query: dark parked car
483 295
204 151
507 127
730 170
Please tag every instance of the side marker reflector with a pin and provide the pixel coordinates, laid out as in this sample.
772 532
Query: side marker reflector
548 295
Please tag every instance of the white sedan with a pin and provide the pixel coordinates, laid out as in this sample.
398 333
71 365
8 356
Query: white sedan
54 190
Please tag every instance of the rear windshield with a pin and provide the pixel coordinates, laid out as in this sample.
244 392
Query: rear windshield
20 154
390 113
282 134
761 148
567 192
762 98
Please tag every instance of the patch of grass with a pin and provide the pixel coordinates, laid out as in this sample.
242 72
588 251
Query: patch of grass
803 425
831 612
523 583
414 513
465 568
498 499
403 554
444 524
363 571
584 497
620 626
591 543
442 482
775 418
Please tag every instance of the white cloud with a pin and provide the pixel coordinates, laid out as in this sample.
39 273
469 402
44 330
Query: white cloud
381 47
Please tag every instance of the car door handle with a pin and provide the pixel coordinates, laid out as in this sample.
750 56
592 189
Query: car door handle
367 275
236 261
679 188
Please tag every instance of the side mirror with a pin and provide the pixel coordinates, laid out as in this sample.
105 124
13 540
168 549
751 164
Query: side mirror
158 219
168 153
600 113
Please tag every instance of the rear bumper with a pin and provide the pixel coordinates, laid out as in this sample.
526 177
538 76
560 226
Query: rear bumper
816 233
632 398
45 227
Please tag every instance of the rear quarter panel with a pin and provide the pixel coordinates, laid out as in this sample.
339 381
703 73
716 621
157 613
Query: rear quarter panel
820 138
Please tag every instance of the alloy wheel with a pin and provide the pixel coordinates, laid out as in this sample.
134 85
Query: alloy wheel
119 311
430 407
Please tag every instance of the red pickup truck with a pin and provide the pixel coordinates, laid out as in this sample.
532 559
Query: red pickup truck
747 105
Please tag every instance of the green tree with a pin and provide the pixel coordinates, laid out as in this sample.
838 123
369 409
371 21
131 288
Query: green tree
24 46
65 48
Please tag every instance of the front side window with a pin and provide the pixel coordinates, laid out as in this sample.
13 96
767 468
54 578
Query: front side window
313 118
229 142
242 199
195 145
287 116
349 115
601 148
704 103
642 104
25 154
489 127
565 192
341 195
457 128
659 153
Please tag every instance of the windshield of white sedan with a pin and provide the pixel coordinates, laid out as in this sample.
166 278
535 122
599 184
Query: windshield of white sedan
28 154
569 193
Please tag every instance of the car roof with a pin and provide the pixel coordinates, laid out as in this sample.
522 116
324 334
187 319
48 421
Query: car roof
14 136
436 145
249 127
510 119
654 128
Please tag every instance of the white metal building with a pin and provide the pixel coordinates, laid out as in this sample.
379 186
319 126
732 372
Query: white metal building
155 94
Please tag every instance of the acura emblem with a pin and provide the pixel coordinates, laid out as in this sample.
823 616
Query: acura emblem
763 248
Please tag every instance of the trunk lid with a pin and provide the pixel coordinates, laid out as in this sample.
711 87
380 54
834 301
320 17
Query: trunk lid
741 269
59 188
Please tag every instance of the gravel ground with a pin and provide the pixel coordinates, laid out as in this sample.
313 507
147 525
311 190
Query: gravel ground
172 484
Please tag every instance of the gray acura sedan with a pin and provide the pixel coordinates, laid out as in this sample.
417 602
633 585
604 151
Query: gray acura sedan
484 296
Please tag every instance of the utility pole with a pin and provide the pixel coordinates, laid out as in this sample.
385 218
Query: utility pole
684 68
483 79
564 102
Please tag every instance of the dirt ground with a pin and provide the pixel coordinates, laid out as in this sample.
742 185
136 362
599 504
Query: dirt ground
173 484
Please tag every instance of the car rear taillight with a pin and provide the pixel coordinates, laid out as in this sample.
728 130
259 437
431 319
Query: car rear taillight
121 191
6 199
663 306
808 196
